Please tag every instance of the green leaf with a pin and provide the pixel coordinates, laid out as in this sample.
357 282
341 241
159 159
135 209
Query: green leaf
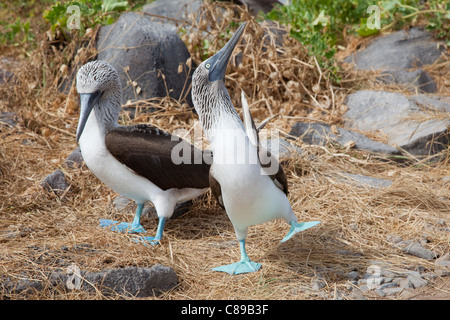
322 19
114 5
56 11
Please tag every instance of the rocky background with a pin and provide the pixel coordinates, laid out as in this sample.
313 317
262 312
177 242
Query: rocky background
406 126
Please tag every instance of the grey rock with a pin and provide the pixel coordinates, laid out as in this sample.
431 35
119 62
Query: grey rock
55 182
365 181
364 288
320 134
280 148
23 286
415 248
444 264
429 275
443 272
256 6
390 291
152 51
8 119
353 275
442 260
404 49
75 159
416 79
129 281
177 11
393 238
357 294
417 282
388 285
6 76
393 115
404 283
317 284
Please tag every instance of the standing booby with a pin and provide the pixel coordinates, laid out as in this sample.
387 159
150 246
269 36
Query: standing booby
135 161
238 179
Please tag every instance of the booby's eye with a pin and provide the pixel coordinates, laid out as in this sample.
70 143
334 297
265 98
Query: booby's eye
207 66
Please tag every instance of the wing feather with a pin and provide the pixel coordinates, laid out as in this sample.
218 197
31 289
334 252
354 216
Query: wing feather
148 151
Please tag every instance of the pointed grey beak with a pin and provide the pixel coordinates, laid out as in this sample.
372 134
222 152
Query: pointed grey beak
88 101
218 62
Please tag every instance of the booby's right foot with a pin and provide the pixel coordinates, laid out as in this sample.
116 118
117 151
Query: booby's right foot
243 266
297 227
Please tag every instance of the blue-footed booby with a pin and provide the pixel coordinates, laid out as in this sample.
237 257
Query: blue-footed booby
135 161
242 184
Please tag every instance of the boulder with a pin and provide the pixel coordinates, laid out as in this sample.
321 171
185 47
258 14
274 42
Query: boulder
149 56
399 50
175 10
320 134
128 281
407 51
411 79
402 119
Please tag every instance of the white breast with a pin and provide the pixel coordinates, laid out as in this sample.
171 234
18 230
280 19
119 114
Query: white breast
249 196
110 171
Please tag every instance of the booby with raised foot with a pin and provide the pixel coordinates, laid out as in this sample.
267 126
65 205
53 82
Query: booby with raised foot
137 160
251 190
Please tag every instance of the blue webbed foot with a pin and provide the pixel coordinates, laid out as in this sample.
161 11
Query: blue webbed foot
239 267
243 266
134 227
121 226
153 240
147 241
298 227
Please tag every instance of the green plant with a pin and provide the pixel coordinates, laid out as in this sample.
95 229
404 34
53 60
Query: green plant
14 31
320 24
91 13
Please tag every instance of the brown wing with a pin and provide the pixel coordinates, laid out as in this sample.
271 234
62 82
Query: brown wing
149 152
266 159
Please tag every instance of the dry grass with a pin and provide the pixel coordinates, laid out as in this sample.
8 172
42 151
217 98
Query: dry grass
41 232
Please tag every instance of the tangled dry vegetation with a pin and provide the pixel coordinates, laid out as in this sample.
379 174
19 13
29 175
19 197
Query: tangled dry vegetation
41 232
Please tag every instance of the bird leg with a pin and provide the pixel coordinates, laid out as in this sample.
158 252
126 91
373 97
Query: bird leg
297 227
243 266
159 233
134 227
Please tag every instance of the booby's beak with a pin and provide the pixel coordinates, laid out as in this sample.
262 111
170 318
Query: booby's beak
218 62
88 101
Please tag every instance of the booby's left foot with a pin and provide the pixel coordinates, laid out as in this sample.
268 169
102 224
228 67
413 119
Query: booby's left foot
243 266
297 227
121 226
134 227
153 240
